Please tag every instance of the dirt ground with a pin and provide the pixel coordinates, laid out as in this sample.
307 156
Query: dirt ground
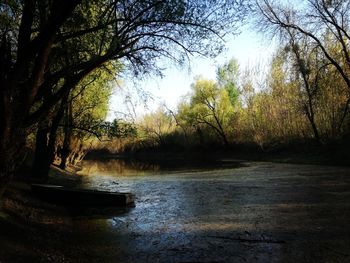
260 212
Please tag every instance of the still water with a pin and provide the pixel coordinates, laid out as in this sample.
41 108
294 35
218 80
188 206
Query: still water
134 167
221 212
112 174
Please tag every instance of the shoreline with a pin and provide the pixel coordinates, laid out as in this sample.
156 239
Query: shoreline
317 156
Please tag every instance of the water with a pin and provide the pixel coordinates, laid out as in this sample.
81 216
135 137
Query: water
251 212
134 167
119 174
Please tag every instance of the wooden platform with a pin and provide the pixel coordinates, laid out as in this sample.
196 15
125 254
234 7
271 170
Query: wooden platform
82 197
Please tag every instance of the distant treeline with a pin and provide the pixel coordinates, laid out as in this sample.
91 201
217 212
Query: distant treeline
303 99
233 110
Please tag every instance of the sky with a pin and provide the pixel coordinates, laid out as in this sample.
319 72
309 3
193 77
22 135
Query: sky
249 48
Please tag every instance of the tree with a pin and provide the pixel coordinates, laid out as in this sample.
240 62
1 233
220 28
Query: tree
158 125
27 37
137 32
306 65
77 118
85 113
211 106
45 142
316 20
227 77
120 129
310 28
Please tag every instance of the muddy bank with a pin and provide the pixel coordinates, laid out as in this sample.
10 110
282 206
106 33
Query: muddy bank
261 212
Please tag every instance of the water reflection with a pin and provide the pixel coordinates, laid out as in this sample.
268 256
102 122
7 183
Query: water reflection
118 167
134 167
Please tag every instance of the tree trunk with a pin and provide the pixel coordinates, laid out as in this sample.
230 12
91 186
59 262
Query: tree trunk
311 117
12 154
315 131
65 151
200 135
21 74
54 128
224 139
41 164
7 168
220 130
45 145
309 108
12 133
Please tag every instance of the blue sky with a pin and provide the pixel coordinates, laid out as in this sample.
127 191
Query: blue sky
249 48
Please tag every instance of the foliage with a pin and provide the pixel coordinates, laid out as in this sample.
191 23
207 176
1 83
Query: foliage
227 77
156 126
316 36
84 115
210 105
214 104
276 114
119 129
48 47
209 111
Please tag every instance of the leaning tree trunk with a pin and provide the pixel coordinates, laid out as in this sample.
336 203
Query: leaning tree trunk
220 130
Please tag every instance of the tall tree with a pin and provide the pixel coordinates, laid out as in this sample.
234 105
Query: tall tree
316 23
137 32
27 38
307 65
315 20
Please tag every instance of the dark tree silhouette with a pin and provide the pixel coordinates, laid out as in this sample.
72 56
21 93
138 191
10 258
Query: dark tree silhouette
43 51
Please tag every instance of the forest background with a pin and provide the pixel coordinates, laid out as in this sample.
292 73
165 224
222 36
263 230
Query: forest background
296 101
59 67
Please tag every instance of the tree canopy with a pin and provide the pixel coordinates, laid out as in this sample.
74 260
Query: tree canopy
48 47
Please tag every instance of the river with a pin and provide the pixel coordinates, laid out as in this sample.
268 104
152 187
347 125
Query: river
225 211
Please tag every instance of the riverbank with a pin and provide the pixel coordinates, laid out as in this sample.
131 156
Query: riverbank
19 201
32 230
